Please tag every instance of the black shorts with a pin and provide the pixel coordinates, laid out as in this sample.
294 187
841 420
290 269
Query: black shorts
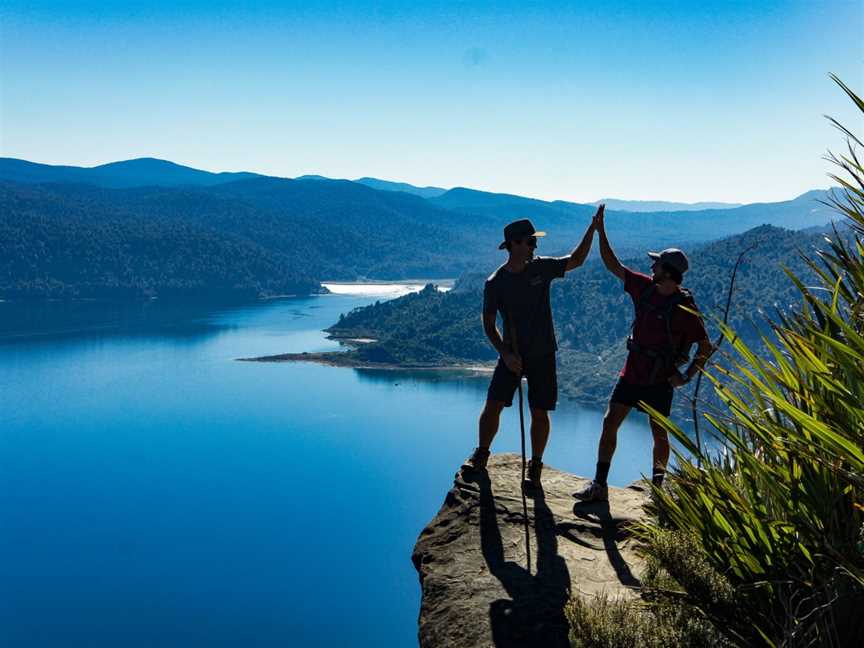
657 396
542 382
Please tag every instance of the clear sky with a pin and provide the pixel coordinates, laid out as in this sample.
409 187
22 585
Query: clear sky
689 101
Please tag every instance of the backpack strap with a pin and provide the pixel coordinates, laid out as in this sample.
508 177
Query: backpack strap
667 357
643 304
669 307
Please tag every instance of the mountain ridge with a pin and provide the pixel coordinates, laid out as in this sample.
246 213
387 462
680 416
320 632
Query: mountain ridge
146 171
619 204
143 171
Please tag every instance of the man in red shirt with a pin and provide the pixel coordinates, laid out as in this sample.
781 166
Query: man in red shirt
663 332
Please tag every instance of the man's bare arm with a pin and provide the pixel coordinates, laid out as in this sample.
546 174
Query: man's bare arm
512 360
491 329
580 253
611 261
703 352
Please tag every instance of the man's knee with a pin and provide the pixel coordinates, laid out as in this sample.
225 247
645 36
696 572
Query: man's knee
660 434
493 408
540 415
614 416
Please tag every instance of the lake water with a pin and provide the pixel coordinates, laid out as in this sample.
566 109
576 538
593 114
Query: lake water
154 491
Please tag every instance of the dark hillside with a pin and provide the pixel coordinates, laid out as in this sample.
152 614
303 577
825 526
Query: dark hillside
53 247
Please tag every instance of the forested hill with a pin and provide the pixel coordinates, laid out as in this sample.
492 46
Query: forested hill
635 231
152 227
592 313
262 236
56 246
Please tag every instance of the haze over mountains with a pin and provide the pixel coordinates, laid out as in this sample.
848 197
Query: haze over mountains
150 227
660 205
127 173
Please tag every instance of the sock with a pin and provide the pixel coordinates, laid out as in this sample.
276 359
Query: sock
537 458
657 477
602 472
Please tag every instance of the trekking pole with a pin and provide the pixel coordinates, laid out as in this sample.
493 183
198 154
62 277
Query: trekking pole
521 412
695 397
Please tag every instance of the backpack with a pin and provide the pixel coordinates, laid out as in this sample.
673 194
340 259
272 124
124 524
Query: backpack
672 355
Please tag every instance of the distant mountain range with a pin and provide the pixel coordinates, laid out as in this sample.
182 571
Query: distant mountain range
141 172
386 185
660 205
154 172
634 231
152 227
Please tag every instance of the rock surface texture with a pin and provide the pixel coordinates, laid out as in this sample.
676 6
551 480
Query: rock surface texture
490 579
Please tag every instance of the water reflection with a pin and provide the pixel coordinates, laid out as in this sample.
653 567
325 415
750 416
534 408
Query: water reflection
51 321
436 379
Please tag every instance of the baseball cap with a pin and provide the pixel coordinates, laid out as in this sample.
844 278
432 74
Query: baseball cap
673 257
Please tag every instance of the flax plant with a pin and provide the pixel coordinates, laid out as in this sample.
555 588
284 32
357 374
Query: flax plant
779 514
763 540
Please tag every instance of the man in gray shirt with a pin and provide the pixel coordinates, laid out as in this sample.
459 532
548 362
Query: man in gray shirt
519 292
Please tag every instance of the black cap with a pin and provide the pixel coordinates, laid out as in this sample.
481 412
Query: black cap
518 230
673 257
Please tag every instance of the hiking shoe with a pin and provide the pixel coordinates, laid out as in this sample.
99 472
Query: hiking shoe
477 460
593 492
532 474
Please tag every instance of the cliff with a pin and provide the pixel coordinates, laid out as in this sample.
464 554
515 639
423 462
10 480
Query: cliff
490 579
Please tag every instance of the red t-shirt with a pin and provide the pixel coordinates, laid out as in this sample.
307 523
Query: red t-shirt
650 330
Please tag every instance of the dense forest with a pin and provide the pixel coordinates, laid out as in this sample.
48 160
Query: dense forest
53 247
64 240
592 313
149 227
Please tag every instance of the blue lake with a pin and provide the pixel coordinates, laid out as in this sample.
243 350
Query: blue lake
154 491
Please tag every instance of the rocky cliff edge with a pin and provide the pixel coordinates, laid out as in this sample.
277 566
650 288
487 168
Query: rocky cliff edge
490 579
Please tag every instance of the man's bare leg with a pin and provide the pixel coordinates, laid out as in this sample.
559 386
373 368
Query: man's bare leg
539 437
489 420
488 428
661 453
612 420
539 432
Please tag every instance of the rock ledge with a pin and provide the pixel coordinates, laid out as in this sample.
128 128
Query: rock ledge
488 579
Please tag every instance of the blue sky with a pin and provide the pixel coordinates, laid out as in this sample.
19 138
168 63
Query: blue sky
578 101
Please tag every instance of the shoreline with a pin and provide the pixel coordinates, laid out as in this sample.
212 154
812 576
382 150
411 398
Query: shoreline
445 281
345 360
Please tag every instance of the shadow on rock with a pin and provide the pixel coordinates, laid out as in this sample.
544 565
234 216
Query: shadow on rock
598 521
534 613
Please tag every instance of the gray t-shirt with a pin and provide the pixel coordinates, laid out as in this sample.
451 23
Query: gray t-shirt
525 295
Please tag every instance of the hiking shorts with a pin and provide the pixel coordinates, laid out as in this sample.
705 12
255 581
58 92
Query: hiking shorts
542 382
657 396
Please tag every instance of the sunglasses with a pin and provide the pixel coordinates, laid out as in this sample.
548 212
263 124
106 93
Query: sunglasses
531 241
